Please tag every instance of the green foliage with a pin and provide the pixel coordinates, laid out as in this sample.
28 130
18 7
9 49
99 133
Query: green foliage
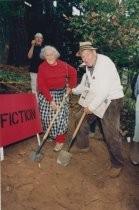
112 27
10 9
14 77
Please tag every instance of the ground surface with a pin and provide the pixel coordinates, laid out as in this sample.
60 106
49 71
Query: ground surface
82 185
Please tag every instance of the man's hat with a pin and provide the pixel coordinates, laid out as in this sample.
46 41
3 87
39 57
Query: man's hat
85 46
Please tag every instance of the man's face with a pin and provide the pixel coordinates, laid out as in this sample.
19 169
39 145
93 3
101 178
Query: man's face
38 40
88 57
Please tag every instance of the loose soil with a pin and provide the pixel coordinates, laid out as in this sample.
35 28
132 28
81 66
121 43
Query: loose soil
82 185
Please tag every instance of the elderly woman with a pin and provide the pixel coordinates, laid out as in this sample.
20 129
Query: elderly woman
52 86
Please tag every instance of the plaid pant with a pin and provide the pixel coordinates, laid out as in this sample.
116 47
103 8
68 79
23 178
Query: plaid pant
60 125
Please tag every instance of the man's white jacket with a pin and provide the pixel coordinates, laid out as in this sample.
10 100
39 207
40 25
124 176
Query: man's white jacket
104 83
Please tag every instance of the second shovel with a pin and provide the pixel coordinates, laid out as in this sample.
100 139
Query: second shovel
64 156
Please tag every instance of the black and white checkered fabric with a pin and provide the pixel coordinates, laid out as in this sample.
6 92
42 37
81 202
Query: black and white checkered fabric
47 113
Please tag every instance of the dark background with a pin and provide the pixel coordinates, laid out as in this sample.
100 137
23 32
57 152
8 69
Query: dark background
17 31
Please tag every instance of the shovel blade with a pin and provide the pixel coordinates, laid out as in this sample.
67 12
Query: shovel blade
64 158
35 156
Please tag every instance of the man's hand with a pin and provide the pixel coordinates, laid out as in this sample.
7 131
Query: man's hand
87 111
33 42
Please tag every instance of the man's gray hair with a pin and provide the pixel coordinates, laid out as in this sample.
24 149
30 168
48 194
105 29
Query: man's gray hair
48 47
39 35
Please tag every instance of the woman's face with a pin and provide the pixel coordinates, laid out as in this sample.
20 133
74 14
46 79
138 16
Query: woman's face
50 56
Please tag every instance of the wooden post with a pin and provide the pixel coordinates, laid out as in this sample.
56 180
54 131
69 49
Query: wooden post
1 153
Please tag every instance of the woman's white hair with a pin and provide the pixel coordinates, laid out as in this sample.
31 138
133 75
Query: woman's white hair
48 47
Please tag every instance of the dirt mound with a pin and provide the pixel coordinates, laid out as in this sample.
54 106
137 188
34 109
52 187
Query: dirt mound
82 185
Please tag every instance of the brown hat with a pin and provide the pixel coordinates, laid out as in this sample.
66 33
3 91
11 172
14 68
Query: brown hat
85 46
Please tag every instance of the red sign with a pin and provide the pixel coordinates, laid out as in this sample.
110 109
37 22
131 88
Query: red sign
19 117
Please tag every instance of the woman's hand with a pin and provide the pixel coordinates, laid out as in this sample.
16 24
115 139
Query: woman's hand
53 105
68 91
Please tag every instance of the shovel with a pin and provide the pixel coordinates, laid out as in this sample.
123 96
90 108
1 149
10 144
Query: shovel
36 155
64 157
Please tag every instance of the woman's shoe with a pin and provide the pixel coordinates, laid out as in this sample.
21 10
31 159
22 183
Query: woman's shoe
58 147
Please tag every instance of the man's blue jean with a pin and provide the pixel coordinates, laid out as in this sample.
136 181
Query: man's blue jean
136 131
111 127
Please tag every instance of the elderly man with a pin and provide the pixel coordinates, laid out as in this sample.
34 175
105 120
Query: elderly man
101 96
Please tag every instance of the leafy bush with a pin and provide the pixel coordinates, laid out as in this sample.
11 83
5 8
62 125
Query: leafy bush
112 27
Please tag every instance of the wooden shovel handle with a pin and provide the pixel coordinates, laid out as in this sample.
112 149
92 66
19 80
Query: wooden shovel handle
79 124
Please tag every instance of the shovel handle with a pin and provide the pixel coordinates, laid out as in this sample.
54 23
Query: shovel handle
78 126
51 124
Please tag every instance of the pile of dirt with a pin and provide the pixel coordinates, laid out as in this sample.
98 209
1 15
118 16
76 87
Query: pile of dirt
14 79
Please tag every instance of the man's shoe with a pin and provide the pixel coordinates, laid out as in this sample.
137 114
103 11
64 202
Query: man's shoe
134 153
115 172
58 147
134 162
76 149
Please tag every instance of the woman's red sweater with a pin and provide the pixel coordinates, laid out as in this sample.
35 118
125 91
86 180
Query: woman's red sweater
55 77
